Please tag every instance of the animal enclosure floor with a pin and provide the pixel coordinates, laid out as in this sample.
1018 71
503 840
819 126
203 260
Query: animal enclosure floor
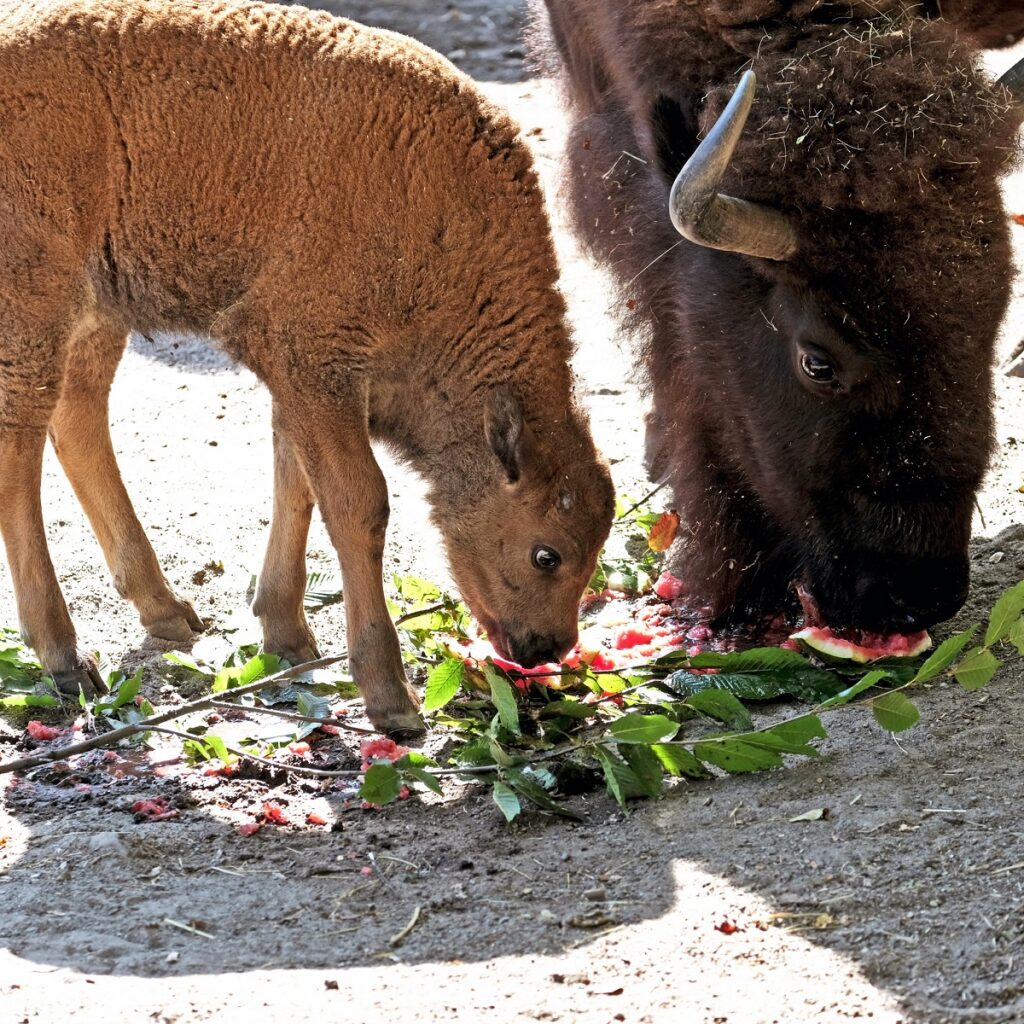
905 904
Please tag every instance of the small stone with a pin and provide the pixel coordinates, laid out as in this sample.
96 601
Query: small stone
172 957
108 843
997 557
596 895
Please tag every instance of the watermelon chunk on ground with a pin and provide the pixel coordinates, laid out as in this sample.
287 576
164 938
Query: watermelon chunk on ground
861 646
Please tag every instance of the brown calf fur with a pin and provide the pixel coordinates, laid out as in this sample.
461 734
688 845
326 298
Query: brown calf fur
342 212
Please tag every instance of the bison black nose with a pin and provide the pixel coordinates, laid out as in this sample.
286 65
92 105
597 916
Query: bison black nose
909 597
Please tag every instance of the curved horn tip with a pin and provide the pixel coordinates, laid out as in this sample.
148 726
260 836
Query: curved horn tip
1013 80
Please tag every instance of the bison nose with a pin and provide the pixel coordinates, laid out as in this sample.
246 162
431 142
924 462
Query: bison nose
914 597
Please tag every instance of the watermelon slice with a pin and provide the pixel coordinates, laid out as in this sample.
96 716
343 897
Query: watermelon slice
862 647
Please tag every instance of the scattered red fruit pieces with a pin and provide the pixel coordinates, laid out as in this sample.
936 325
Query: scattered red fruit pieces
250 829
301 748
790 645
315 819
668 588
1017 218
663 532
602 661
366 870
382 749
727 926
403 793
156 809
40 732
631 637
611 698
273 813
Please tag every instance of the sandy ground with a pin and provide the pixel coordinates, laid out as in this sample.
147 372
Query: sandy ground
909 897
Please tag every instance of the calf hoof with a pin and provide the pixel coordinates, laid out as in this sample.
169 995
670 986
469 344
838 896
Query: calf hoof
84 677
178 621
296 648
399 725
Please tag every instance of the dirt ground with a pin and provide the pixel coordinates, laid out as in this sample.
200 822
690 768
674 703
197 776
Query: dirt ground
909 898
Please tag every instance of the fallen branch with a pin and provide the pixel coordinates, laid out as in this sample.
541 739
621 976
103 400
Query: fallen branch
108 739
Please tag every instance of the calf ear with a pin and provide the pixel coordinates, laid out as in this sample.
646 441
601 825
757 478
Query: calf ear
503 427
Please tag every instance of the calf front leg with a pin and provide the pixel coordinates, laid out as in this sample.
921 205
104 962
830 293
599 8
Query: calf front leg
350 489
282 583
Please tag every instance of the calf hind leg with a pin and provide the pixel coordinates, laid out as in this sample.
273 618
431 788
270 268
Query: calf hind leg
80 434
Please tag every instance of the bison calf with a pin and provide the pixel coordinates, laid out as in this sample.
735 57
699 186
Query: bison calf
341 211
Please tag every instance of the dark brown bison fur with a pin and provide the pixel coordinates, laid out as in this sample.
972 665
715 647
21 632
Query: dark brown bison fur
344 213
881 140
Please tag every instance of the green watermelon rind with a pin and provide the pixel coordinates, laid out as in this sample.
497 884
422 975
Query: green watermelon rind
825 643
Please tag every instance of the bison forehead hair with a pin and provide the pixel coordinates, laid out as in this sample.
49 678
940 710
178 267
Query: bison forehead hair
886 114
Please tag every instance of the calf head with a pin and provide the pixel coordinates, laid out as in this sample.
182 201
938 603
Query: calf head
843 365
523 543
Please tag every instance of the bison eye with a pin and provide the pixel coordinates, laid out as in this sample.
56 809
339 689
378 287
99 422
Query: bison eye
818 368
545 559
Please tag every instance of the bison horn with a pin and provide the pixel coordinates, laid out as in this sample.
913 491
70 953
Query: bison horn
1014 81
702 215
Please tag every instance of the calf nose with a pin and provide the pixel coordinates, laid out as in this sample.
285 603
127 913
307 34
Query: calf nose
535 649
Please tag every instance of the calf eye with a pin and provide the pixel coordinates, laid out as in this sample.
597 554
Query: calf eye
818 368
545 559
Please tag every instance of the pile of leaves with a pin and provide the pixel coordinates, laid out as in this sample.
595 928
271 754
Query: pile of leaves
626 715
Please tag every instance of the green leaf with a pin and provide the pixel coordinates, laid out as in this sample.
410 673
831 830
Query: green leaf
177 658
504 699
526 782
808 684
322 589
977 668
737 757
894 712
568 709
507 801
721 705
758 659
443 683
866 682
618 776
381 784
1016 635
127 691
217 746
944 655
1005 613
679 761
647 767
311 705
417 766
29 700
637 728
257 668
792 737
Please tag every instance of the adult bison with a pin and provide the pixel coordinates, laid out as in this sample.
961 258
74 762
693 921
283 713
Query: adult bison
820 340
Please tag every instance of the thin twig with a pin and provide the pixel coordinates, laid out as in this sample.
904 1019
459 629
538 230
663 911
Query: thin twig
422 611
145 725
291 716
399 937
646 497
